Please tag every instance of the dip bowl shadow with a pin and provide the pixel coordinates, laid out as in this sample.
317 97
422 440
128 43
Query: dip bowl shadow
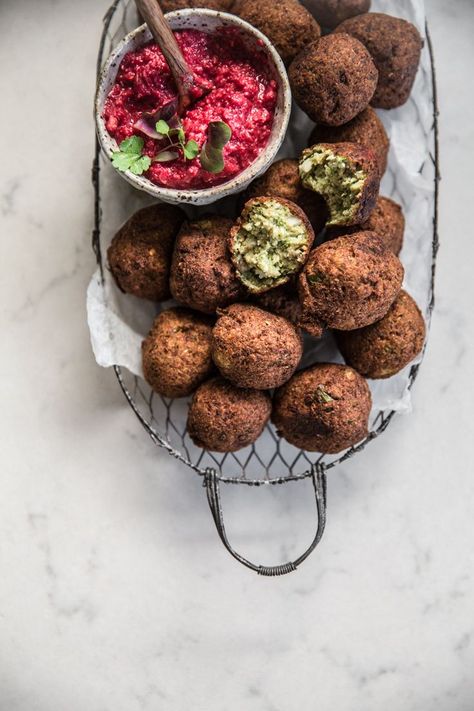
205 21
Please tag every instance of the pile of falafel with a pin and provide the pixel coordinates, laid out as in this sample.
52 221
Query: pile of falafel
313 248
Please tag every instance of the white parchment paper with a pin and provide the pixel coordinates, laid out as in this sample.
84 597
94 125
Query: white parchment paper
119 322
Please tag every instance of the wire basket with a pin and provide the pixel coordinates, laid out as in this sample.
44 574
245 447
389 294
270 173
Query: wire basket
165 419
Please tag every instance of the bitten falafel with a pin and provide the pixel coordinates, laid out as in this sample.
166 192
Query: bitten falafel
224 418
177 352
395 46
333 79
324 409
330 13
254 348
202 274
282 301
287 24
384 348
171 5
140 253
346 175
366 129
386 220
269 243
348 283
282 180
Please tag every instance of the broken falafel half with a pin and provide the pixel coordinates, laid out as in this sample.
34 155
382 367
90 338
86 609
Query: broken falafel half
366 129
346 175
348 283
333 79
202 275
282 180
225 418
254 348
387 346
176 354
395 47
139 255
324 408
269 243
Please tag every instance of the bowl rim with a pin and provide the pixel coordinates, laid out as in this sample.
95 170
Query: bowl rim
238 182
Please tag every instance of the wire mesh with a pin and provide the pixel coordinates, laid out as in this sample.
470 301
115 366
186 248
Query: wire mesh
271 460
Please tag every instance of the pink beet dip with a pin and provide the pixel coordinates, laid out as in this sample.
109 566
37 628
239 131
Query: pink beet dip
242 93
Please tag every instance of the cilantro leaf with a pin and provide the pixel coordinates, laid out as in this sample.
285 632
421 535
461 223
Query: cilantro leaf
129 157
133 145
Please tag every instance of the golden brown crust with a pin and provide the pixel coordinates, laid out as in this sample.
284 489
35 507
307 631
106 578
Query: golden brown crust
224 418
202 274
323 409
139 255
395 46
254 348
177 352
171 5
295 210
366 129
386 347
286 23
282 301
333 79
349 283
386 220
282 180
330 13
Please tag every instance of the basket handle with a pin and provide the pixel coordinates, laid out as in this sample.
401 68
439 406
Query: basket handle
318 475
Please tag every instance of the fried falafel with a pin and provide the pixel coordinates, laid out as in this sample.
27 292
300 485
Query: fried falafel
224 418
387 346
330 13
324 408
287 24
386 220
202 275
139 255
254 348
348 283
171 5
176 353
282 301
395 47
269 243
346 175
333 79
366 129
282 180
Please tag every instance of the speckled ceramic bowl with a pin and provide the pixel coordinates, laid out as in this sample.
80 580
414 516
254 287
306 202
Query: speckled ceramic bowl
206 21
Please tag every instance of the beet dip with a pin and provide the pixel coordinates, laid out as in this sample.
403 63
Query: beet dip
242 94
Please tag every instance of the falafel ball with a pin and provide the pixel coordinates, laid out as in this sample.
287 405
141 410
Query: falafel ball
366 129
386 220
287 24
176 353
395 46
346 175
324 409
330 13
348 283
224 418
171 5
202 274
254 348
269 243
333 79
140 253
386 347
282 301
282 180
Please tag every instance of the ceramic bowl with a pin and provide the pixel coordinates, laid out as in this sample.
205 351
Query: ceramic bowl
206 21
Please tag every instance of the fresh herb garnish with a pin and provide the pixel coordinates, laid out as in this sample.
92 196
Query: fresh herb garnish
218 135
130 157
321 395
178 144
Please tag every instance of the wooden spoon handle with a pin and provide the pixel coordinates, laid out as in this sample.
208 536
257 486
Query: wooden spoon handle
164 37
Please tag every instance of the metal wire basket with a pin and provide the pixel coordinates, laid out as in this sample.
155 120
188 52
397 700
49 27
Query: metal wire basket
165 420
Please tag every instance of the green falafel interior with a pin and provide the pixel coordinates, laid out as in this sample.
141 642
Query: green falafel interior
338 179
271 244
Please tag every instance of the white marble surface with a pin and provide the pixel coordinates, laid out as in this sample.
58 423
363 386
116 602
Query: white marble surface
115 594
